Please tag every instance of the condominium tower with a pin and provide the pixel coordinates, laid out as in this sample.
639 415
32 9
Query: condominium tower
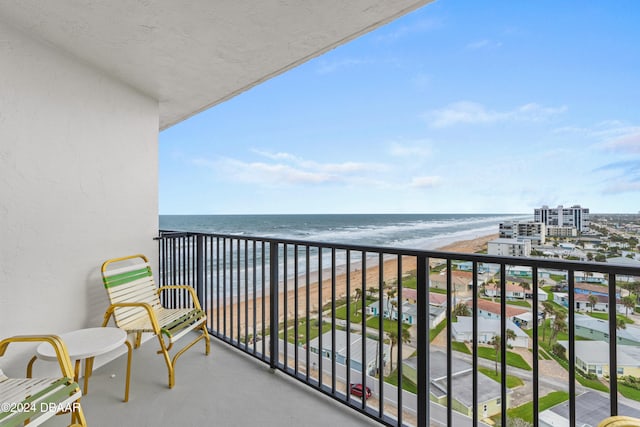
575 216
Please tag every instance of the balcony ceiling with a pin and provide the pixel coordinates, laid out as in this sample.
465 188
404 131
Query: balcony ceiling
191 55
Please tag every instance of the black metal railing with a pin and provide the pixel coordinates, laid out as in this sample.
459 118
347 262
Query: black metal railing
309 309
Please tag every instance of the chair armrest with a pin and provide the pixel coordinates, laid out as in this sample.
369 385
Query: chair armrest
146 306
194 296
58 345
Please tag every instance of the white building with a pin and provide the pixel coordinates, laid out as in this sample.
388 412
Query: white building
371 349
575 216
509 247
462 331
530 230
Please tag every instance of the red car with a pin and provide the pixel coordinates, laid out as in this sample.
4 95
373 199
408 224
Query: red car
356 390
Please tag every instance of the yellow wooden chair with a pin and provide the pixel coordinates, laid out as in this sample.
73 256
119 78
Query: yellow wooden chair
136 307
32 401
620 421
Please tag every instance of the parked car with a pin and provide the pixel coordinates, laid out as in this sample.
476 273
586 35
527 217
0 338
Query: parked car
356 390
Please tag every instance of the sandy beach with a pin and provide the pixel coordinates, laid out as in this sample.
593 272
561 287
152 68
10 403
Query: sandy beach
390 274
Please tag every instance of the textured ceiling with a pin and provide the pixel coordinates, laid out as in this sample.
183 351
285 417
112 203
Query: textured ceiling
191 55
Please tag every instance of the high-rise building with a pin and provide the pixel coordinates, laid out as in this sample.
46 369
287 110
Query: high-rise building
530 230
575 216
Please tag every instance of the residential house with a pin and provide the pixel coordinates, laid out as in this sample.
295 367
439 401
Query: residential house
592 357
462 400
598 330
371 347
390 310
492 310
462 331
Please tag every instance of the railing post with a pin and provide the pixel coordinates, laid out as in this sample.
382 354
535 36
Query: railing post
273 301
423 342
200 268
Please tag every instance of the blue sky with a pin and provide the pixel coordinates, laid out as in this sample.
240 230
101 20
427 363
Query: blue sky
460 107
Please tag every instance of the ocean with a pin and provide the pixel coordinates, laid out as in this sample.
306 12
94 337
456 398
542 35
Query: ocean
410 231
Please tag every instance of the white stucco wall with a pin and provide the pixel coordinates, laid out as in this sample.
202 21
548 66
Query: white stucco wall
78 185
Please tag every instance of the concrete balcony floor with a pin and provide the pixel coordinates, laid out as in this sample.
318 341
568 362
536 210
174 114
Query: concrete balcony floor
226 388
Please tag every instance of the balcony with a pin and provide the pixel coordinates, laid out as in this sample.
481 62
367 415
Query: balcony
444 379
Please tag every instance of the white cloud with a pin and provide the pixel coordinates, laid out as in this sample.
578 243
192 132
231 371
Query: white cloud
289 169
425 181
475 113
629 143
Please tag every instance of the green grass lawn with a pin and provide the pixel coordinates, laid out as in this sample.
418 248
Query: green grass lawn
341 312
513 359
388 325
407 384
605 316
512 381
545 402
433 333
629 392
460 346
302 331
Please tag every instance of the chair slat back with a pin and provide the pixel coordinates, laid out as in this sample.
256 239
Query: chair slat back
129 279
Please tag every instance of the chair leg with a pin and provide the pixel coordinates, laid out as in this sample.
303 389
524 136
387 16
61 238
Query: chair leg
207 340
167 359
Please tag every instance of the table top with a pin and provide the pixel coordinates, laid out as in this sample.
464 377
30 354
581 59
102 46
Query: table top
85 343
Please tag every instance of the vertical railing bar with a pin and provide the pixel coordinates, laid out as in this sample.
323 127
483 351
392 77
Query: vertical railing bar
254 296
536 369
296 319
613 348
273 301
348 284
285 251
400 339
450 303
333 320
239 292
307 309
320 323
424 414
474 344
380 355
200 257
572 349
503 343
218 285
364 363
231 289
224 287
246 295
263 300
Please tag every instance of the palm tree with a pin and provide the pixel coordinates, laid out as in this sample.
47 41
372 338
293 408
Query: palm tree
390 294
620 324
393 340
511 335
548 309
358 295
628 301
496 342
559 324
461 309
592 301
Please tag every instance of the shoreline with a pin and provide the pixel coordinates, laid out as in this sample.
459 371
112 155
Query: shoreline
372 280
